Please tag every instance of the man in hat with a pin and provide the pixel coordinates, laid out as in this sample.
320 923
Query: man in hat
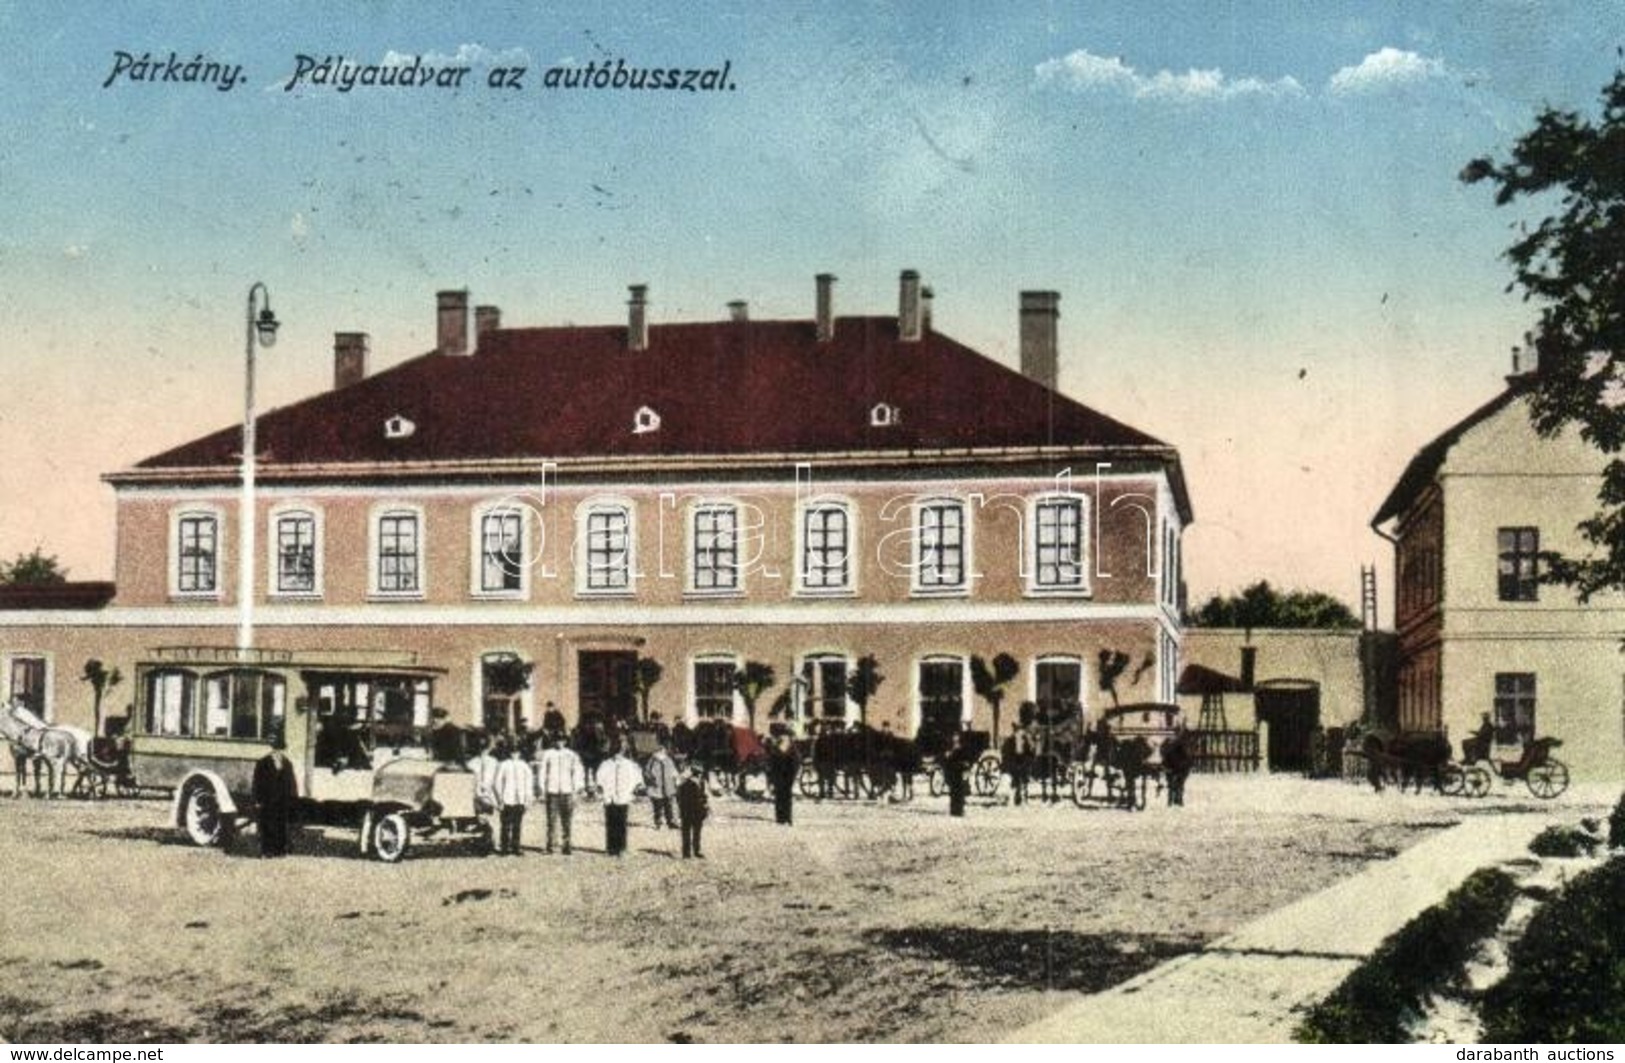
560 777
618 778
446 739
692 807
274 789
514 789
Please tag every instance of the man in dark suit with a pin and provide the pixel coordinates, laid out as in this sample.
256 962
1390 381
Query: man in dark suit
692 808
275 789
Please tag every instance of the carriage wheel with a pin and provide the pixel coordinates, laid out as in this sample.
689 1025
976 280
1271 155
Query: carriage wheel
1478 780
807 781
202 819
986 775
1548 780
391 837
1453 780
937 782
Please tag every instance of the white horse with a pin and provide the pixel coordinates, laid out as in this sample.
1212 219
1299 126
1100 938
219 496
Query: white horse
32 738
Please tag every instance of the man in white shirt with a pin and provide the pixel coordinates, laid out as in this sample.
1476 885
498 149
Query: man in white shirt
618 778
560 778
515 788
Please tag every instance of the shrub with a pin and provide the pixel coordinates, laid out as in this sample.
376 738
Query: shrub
1616 825
1563 841
1565 981
1374 1001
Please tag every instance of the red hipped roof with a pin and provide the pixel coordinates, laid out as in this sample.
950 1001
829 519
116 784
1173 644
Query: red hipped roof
719 389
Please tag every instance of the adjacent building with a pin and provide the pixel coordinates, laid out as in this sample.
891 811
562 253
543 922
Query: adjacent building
801 493
1478 633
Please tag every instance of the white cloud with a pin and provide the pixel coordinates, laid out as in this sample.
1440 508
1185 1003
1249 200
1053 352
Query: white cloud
74 251
1385 69
1083 71
299 227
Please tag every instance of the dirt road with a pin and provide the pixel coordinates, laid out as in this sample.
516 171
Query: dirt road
862 922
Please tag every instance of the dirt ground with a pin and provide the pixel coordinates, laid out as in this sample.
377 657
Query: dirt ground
863 922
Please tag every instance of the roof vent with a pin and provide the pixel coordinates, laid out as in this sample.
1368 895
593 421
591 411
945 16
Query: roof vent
885 415
398 427
645 421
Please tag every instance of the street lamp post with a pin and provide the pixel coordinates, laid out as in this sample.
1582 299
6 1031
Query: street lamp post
262 326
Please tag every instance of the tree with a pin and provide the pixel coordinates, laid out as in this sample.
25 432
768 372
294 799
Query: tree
751 680
866 679
1112 664
101 680
33 569
990 683
1261 605
506 677
648 673
1572 265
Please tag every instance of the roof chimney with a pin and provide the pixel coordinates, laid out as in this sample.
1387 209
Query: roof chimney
1249 667
926 296
486 319
349 358
739 310
1040 327
637 318
908 306
452 321
825 313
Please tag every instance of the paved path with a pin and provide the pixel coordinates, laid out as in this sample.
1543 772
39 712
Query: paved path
1252 986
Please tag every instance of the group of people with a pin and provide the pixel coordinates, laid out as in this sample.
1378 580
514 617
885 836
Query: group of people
507 783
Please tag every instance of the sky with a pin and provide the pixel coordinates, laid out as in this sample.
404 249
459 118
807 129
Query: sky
1251 211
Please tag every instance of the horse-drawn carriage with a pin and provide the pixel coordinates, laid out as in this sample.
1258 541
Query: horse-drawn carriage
356 728
728 755
1122 758
1535 767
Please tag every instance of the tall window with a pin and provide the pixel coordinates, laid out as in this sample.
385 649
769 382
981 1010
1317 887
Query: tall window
197 554
942 700
502 551
27 684
940 546
1058 686
607 556
1514 707
826 560
296 553
715 559
1519 557
1058 544
399 557
826 682
713 689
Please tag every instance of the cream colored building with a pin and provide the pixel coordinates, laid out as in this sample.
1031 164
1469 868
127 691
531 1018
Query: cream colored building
1478 633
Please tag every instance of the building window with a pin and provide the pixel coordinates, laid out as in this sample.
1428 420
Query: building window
607 549
197 554
715 549
714 689
1058 689
826 540
505 691
1058 532
1514 707
825 681
243 704
942 700
399 553
28 685
1519 570
940 546
295 546
502 551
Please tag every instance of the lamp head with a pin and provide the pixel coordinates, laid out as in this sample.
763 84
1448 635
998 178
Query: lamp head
266 326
